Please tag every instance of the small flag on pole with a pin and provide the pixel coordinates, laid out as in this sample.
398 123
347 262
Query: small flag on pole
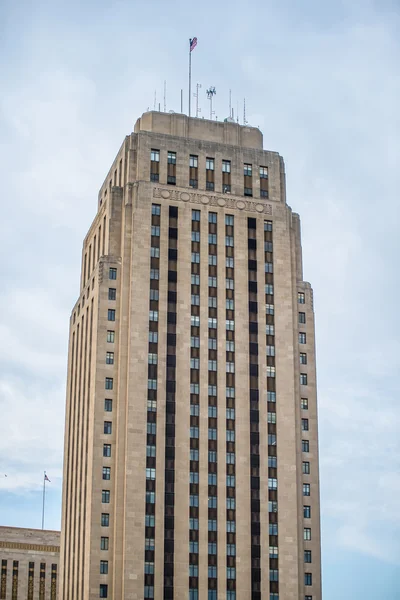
46 478
193 43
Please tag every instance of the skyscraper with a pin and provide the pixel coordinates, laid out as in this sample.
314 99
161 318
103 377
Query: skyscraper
191 444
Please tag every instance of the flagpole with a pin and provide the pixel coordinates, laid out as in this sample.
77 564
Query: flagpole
44 494
190 73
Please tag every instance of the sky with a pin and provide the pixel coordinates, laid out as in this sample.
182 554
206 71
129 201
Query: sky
322 81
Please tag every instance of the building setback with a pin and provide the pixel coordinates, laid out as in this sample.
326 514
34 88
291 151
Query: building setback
191 443
29 561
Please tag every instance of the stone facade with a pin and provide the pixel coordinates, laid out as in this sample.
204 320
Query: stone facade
29 560
134 524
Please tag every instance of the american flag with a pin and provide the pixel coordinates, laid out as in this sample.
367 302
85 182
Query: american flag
46 478
193 44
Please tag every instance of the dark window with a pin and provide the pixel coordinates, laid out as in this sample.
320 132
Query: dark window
112 293
103 590
302 317
307 578
307 556
109 383
111 314
107 427
305 446
307 512
108 405
105 519
107 450
112 273
104 567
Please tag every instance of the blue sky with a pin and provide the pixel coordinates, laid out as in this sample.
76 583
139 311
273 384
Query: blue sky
322 81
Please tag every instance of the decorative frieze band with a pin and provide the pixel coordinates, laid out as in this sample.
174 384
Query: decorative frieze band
211 200
24 546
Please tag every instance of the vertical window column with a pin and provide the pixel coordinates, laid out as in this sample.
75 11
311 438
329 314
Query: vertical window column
254 411
3 582
194 401
169 490
193 171
230 394
31 575
154 165
271 401
210 181
212 405
152 377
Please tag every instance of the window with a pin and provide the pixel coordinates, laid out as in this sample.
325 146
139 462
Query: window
230 458
155 157
193 523
212 323
193 477
105 519
307 579
194 343
303 378
263 172
230 413
274 575
193 500
304 424
194 547
307 556
194 388
104 587
231 549
212 282
109 358
231 595
272 462
153 337
303 358
105 496
106 472
149 568
231 503
155 231
226 166
150 473
301 298
212 365
230 325
212 238
212 412
154 295
153 315
195 215
271 439
270 350
154 274
230 435
230 572
212 479
112 274
150 498
304 403
210 166
273 529
272 483
107 450
108 405
273 552
305 446
230 481
195 236
230 367
302 337
196 257
172 158
230 346
212 456
104 567
307 512
212 501
150 450
230 392
195 363
229 284
151 428
152 358
195 280
107 427
110 336
229 241
194 432
193 161
111 314
149 544
152 384
306 467
212 525
151 405
247 170
104 543
306 489
270 330
269 267
269 309
212 303
195 321
112 293
248 191
307 534
269 289
193 570
230 526
272 506
149 591
193 594
212 261
271 396
270 371
302 317
109 383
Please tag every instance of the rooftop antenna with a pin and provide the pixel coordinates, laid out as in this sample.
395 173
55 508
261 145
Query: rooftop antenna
165 95
237 112
230 103
244 112
210 93
196 95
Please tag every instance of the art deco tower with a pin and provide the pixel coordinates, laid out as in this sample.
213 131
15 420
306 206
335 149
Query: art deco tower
191 445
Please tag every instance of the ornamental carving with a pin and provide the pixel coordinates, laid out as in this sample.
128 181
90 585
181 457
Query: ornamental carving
211 200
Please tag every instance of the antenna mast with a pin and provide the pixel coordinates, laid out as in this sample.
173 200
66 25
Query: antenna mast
210 93
196 95
244 112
